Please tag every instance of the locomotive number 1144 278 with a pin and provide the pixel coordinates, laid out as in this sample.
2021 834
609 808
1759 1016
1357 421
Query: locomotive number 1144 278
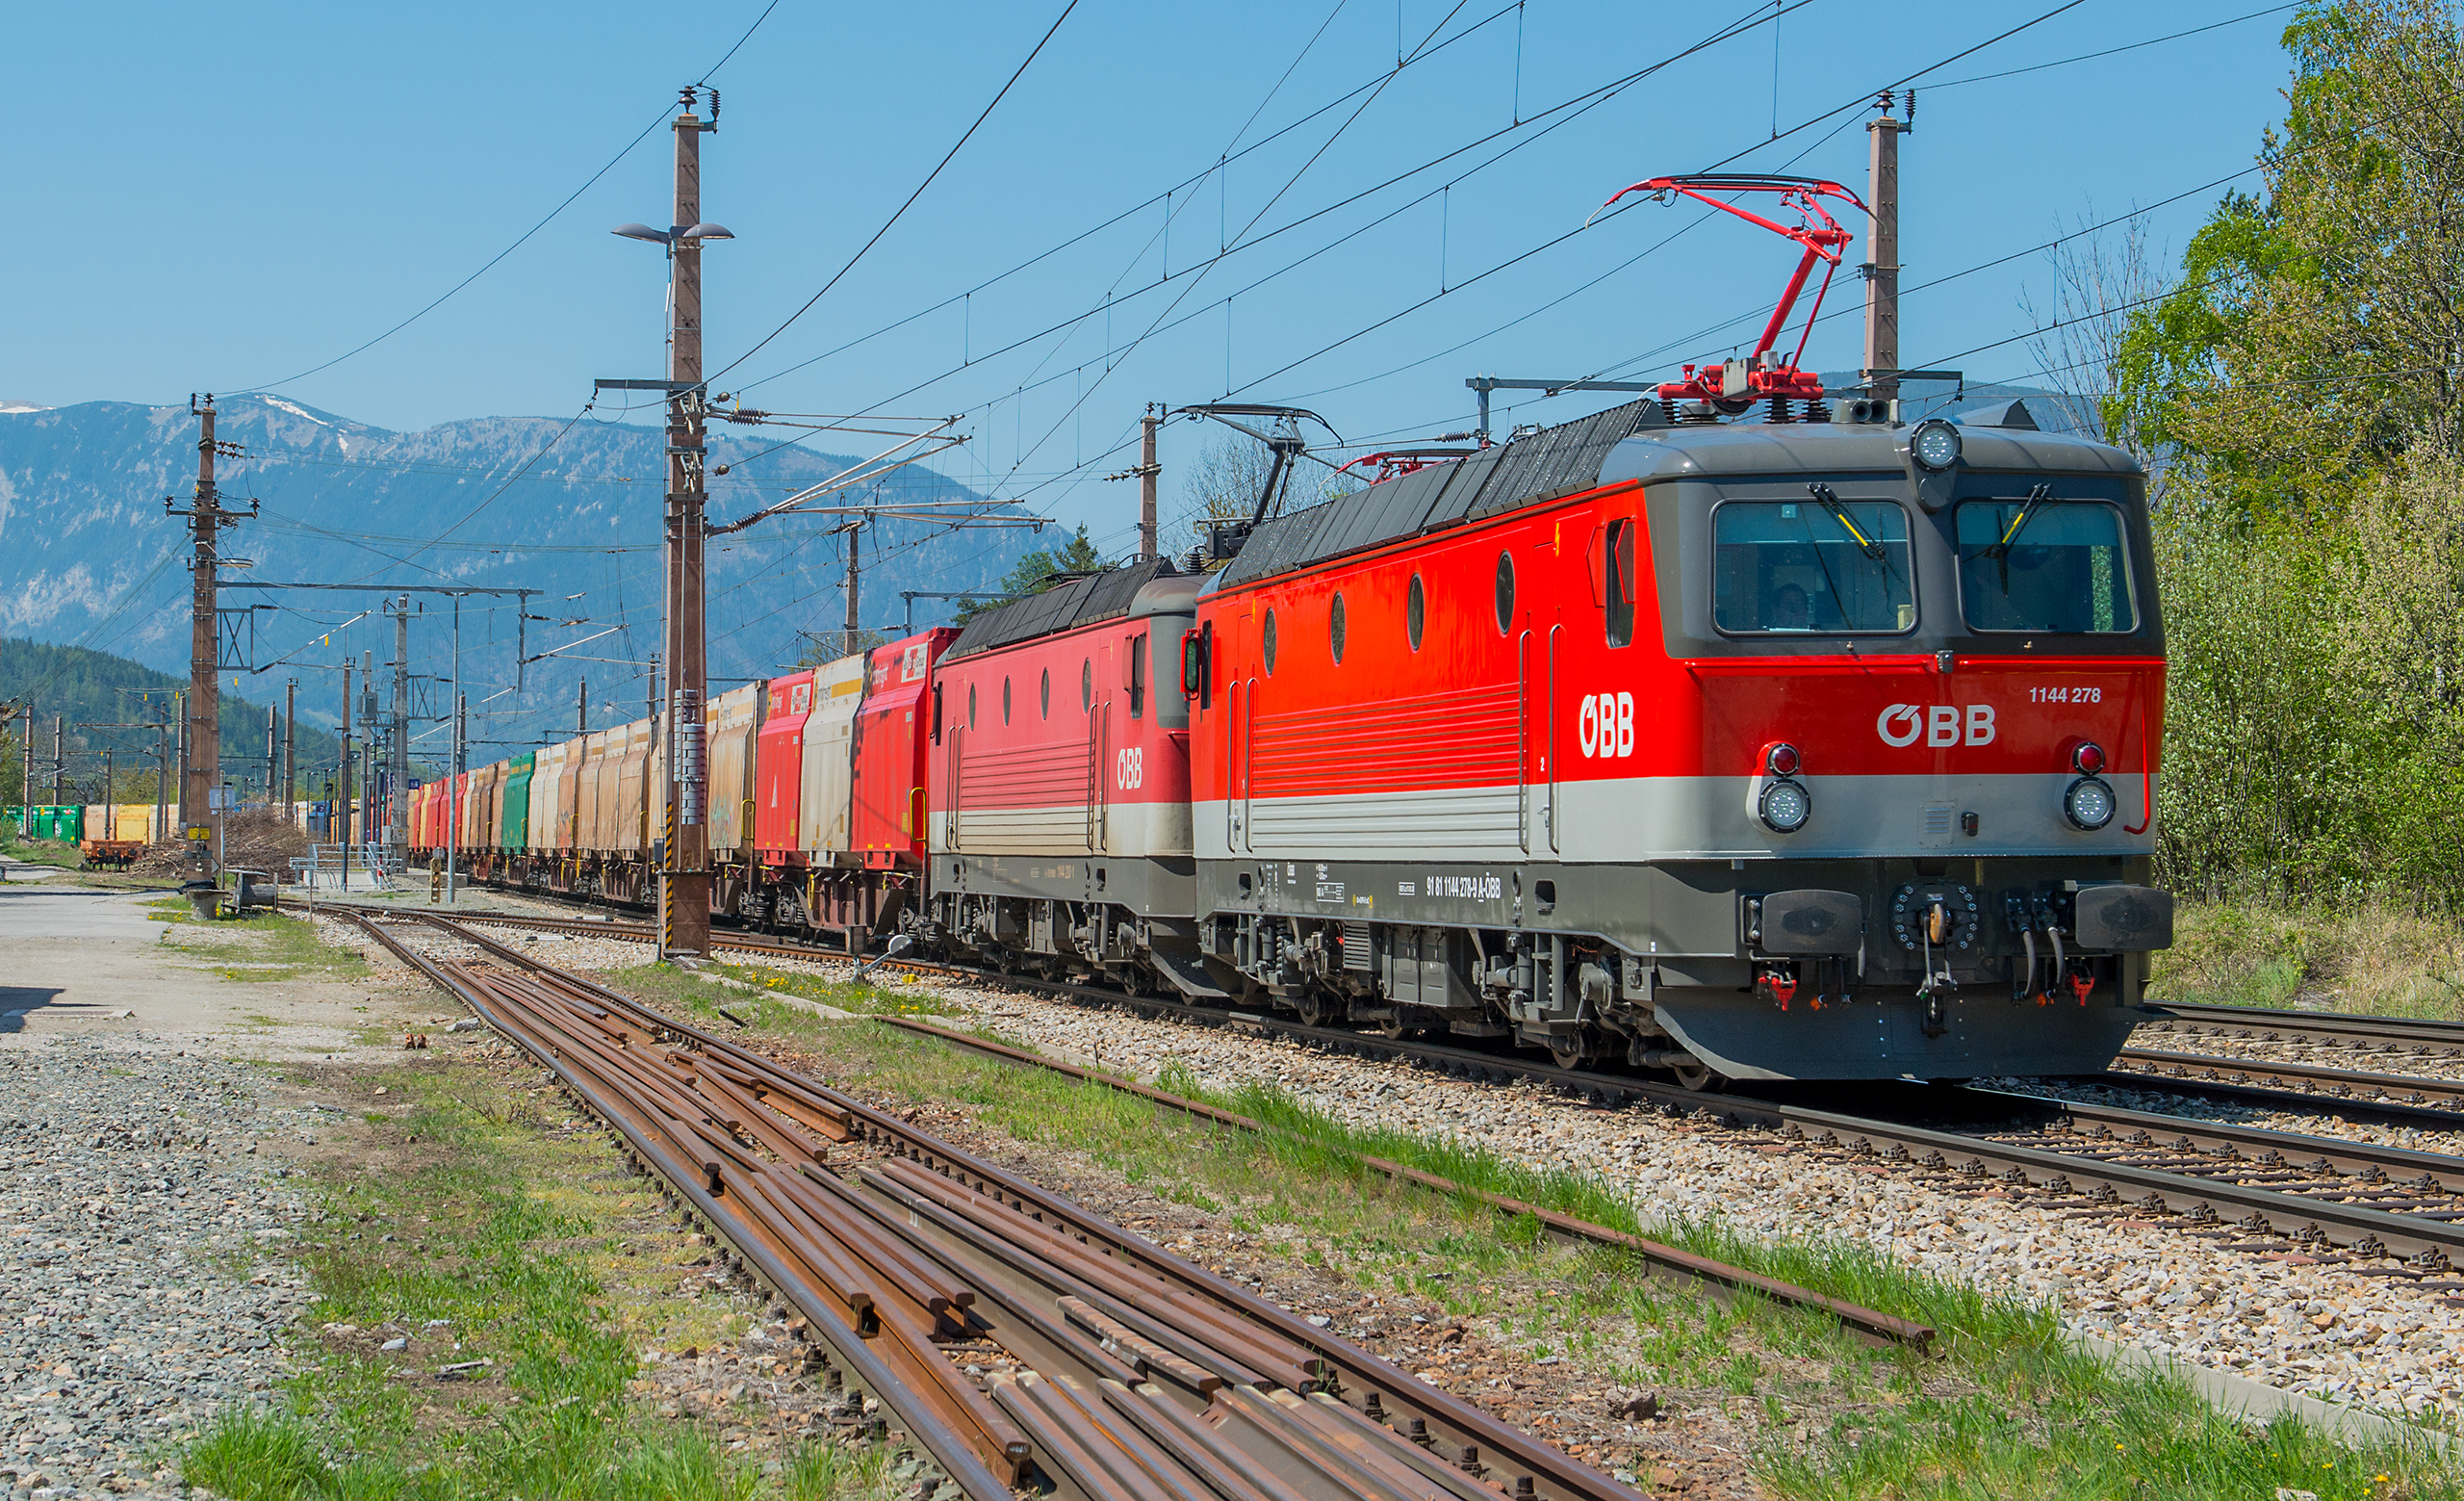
2086 694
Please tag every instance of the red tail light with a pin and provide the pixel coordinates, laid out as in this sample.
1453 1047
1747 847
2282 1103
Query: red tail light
1782 760
2089 759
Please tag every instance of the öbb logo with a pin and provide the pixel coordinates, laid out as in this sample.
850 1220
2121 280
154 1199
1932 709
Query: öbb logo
1940 724
1606 725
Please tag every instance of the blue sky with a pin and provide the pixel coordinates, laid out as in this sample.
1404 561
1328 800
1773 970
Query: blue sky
223 197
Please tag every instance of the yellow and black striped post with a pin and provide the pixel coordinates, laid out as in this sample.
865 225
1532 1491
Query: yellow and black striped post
667 887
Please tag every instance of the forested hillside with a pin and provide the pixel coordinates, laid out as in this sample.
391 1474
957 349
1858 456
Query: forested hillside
89 689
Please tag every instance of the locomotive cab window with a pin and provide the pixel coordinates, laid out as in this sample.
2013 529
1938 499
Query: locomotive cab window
1138 676
1618 587
2038 564
1827 566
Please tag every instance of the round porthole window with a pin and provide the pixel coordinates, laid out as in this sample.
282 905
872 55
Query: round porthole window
1415 612
1335 628
1266 641
1505 592
1087 685
1043 707
970 705
1004 701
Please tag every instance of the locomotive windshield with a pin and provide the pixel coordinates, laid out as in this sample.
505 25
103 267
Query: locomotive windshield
1820 565
2044 565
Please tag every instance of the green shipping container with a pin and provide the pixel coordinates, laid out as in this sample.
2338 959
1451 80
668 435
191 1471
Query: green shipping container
66 823
514 796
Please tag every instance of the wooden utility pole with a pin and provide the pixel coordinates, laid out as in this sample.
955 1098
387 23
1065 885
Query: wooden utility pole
342 775
1882 271
202 754
274 751
397 803
684 878
1147 471
855 531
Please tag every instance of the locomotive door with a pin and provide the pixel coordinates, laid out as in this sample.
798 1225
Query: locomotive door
1240 713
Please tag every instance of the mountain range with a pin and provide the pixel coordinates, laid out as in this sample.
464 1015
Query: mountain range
570 509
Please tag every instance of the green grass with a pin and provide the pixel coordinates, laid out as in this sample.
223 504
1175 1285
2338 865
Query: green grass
2002 1409
274 946
510 1235
763 1008
2369 957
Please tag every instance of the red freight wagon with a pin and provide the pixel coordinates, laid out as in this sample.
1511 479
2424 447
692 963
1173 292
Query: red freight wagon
888 828
778 768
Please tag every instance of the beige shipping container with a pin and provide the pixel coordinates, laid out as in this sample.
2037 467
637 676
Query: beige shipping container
478 823
627 831
828 774
734 720
545 774
593 807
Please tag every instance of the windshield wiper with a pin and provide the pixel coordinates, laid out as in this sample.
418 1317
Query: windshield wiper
2027 512
1824 498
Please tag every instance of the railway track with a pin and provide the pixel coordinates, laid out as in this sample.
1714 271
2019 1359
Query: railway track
2315 1085
2279 1190
1119 1370
2417 1036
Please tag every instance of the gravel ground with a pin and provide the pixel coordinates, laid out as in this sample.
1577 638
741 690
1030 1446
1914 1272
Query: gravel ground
2364 1334
143 1276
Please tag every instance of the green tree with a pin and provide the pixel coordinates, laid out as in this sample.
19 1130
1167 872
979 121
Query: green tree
2298 389
2313 339
1040 570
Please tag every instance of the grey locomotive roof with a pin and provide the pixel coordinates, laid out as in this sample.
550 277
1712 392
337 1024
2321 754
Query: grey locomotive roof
1634 442
1139 589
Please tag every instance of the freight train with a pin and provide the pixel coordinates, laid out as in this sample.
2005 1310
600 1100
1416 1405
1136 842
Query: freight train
1792 748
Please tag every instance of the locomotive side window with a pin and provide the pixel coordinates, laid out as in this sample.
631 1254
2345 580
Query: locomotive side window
1266 642
1816 565
1043 708
2044 565
1335 629
1138 676
1004 700
1087 685
1621 582
970 705
1415 612
1505 592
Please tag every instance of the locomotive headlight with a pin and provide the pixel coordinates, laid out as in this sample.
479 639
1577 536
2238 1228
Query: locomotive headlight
1784 807
1935 444
2089 804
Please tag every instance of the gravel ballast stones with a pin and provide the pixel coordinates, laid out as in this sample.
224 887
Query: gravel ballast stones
146 1279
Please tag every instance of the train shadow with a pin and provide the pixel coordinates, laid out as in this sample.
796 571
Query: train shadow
17 1001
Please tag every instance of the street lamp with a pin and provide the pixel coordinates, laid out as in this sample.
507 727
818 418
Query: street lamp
670 237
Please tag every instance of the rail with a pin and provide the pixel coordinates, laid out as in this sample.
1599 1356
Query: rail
1144 1376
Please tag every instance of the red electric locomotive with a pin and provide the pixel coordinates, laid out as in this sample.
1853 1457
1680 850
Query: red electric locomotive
1805 750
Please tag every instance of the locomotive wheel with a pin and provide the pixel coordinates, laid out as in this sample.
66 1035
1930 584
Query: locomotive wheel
1578 1052
1393 1029
1317 1009
1702 1079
